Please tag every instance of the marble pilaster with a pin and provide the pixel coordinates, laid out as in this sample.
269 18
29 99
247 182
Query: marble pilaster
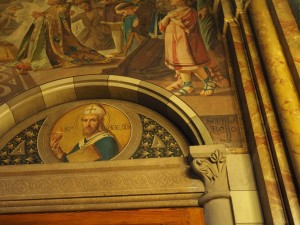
288 188
280 78
228 13
271 201
290 32
227 10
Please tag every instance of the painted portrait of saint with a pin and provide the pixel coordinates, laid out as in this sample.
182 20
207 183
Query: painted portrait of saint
95 143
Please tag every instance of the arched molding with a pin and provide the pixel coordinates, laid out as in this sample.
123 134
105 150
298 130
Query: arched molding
89 87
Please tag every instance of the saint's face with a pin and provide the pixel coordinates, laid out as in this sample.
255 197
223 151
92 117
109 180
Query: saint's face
90 125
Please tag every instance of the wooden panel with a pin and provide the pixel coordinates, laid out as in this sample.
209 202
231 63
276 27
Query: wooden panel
174 216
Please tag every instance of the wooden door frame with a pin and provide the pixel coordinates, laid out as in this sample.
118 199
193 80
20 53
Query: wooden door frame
174 216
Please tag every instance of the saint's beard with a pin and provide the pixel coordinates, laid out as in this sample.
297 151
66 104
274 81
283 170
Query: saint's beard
89 131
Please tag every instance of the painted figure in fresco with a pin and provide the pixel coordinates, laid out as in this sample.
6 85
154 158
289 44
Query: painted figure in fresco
50 43
97 144
23 19
208 29
8 20
209 34
114 21
94 35
140 14
184 48
146 61
131 38
8 15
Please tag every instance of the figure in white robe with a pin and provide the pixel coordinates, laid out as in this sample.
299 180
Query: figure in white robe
185 51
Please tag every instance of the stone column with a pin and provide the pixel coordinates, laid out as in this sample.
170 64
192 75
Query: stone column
210 163
280 78
227 10
278 153
228 14
242 5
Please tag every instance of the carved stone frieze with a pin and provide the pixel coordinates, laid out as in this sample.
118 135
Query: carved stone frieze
113 178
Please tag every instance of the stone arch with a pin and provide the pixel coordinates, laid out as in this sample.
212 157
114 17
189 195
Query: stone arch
89 87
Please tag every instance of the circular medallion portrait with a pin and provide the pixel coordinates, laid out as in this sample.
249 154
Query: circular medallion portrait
106 129
91 132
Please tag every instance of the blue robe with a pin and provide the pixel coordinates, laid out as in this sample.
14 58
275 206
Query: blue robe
106 147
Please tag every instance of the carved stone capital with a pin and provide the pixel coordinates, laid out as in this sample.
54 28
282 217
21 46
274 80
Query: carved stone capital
209 162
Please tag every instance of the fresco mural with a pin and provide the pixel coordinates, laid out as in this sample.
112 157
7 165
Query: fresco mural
97 143
93 131
175 44
130 38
